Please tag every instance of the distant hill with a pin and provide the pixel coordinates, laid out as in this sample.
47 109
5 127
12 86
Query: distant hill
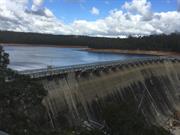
152 42
45 39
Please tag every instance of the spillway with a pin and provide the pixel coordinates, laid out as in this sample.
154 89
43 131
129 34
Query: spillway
78 96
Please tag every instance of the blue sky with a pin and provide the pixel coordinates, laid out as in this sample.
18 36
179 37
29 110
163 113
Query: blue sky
107 18
70 10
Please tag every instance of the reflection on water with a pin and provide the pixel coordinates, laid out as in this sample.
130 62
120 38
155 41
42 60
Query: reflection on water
24 58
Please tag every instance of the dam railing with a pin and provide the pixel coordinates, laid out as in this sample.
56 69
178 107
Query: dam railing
50 71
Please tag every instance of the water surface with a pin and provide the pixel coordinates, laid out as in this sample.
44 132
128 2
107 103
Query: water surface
29 57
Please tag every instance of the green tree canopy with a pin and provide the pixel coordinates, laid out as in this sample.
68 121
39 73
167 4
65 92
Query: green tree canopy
21 108
4 61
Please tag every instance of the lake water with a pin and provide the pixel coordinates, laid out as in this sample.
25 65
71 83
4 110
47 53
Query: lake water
25 58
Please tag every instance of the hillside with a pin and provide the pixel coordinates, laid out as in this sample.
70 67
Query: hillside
152 42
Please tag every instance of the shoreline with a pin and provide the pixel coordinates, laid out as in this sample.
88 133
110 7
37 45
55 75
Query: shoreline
42 45
85 48
139 52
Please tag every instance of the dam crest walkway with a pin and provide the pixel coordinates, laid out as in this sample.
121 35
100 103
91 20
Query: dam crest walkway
52 71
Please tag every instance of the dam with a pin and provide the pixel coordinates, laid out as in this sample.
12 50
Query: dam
77 93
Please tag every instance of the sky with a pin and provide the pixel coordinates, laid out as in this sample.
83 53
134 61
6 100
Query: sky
107 18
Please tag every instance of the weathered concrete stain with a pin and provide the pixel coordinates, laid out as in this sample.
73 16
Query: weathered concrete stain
155 87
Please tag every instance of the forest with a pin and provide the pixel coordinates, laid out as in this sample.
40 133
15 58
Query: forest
44 39
153 42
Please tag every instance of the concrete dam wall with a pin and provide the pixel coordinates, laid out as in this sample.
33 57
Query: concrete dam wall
155 86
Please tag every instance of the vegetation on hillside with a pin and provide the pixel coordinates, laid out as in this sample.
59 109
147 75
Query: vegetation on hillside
152 42
4 61
44 39
21 109
122 118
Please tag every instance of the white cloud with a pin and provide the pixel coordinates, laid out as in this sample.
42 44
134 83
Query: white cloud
94 11
142 7
36 4
14 16
137 20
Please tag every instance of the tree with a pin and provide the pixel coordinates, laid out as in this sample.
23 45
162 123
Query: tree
21 108
4 61
123 119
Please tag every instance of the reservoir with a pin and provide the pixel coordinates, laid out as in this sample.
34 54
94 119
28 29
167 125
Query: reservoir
30 57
